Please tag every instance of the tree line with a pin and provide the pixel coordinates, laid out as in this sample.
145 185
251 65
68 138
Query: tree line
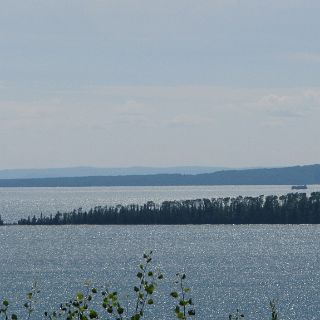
293 208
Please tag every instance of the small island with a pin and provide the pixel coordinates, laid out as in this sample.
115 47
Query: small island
293 208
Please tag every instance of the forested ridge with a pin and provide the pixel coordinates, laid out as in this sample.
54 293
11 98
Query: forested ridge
293 208
277 176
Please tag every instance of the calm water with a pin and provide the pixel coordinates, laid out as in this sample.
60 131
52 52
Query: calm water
228 267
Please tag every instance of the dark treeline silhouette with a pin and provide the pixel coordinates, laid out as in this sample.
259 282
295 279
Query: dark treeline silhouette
293 208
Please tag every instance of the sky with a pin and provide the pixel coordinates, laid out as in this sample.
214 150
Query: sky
159 83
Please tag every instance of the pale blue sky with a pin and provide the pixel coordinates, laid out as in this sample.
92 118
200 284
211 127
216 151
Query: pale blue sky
124 83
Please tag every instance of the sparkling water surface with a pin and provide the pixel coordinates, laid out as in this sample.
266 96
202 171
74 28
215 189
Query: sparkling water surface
227 267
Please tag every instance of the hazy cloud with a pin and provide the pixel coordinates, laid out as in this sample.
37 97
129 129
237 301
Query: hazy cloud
147 122
180 82
190 120
312 57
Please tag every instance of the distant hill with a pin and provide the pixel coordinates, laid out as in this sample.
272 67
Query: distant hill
95 171
309 174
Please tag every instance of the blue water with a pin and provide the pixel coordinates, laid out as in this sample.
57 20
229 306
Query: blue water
227 267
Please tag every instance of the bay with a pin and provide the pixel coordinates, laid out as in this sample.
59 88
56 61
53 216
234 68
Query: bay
227 267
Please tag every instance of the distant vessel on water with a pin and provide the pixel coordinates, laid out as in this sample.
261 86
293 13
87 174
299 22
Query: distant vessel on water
302 187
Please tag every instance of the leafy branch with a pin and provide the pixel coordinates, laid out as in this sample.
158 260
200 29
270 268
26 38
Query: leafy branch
184 308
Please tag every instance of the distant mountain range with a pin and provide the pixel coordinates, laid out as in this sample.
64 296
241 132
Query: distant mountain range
94 171
309 174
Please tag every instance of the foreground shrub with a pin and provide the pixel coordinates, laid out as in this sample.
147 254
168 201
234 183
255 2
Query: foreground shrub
95 303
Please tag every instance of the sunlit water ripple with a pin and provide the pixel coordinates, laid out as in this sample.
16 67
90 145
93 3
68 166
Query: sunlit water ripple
227 267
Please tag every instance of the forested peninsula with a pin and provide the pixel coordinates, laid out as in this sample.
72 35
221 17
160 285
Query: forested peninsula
293 208
278 176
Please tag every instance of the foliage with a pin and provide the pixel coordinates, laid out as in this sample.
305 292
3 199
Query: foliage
184 307
87 305
94 303
28 305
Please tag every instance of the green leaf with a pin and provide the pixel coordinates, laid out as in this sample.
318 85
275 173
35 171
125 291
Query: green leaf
192 312
150 289
110 296
110 309
174 294
5 303
120 310
93 314
139 275
150 301
183 303
14 317
79 296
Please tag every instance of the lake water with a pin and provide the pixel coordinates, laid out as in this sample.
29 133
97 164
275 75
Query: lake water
227 267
